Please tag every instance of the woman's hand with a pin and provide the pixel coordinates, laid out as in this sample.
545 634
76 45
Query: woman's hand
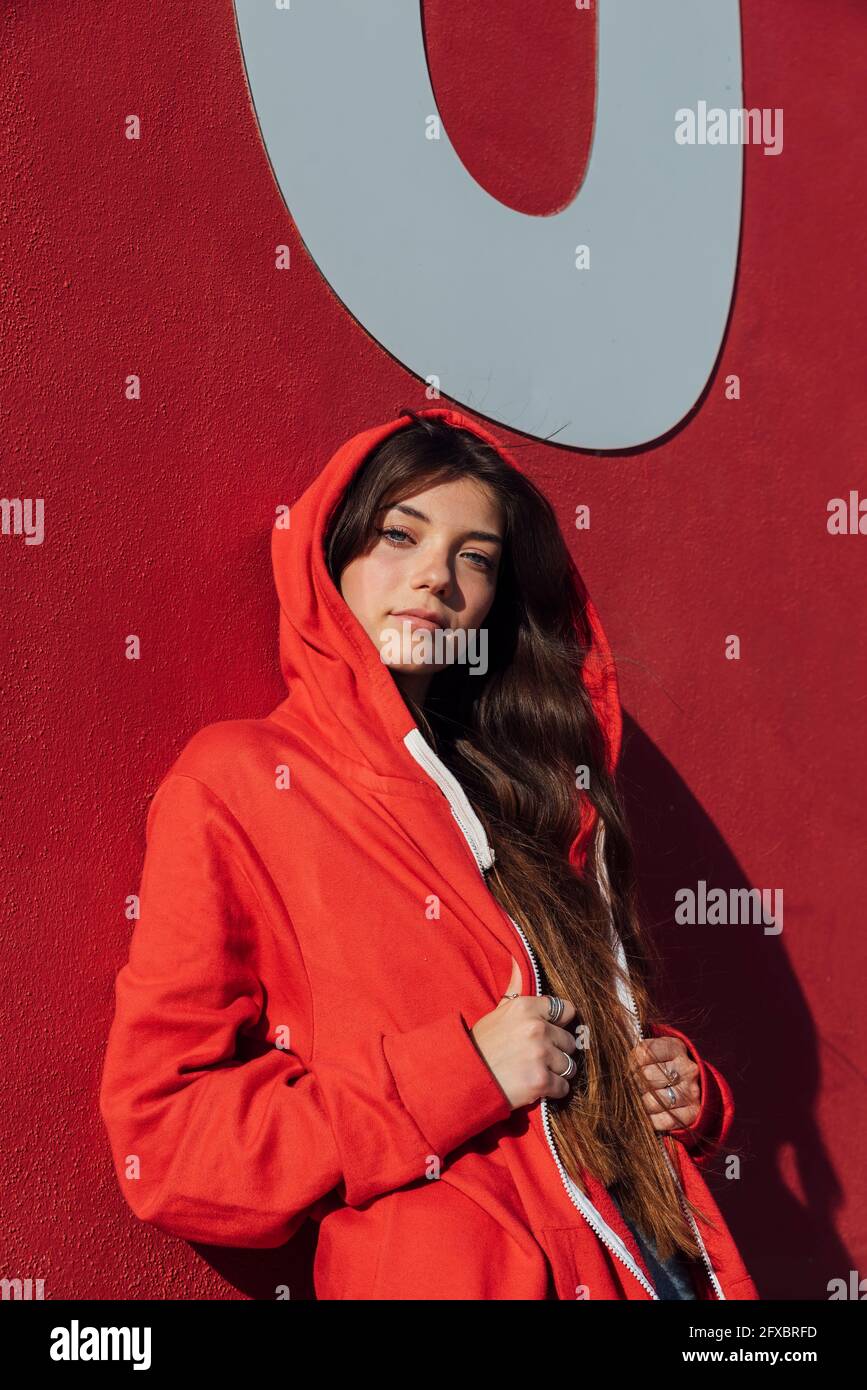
523 1050
660 1063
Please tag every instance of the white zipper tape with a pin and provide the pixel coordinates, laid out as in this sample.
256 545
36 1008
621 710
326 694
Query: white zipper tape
458 800
484 856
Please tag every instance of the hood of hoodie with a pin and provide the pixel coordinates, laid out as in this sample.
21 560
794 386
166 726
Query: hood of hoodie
336 683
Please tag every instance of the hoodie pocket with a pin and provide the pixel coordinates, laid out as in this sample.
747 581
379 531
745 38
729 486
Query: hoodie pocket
428 1240
584 1269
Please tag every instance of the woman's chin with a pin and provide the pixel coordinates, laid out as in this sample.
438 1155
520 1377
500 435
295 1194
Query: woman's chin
415 668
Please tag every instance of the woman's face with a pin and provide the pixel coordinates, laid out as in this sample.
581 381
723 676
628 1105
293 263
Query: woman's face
437 553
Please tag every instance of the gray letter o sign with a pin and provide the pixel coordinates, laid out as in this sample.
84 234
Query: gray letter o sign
608 349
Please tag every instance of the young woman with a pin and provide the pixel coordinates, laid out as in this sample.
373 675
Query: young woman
389 972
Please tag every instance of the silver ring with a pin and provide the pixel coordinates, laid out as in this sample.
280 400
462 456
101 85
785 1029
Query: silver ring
671 1094
571 1068
555 1008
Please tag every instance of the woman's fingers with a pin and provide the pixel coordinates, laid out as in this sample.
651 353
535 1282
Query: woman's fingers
675 1118
652 1051
662 1062
658 1077
548 1046
657 1101
655 1063
568 1012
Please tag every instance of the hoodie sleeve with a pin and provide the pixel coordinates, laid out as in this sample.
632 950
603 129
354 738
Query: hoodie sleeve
234 1152
708 1131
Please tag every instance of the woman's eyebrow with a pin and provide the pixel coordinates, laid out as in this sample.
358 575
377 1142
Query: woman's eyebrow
413 511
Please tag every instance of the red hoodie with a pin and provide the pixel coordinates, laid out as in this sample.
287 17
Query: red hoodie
316 939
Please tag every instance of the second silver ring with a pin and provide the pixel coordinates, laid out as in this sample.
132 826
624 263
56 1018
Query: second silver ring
571 1067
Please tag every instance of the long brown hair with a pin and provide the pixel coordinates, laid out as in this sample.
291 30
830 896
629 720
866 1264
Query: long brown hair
513 738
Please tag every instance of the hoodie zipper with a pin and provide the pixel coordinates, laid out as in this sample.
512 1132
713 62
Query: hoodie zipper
483 854
474 834
605 886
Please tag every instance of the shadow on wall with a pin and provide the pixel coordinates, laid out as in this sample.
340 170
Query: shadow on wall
732 990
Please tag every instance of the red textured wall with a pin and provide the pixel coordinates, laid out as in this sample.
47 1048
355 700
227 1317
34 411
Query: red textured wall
156 257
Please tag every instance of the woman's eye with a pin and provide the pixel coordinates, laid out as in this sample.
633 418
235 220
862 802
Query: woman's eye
485 560
396 535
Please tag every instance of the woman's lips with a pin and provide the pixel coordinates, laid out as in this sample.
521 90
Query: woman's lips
430 624
427 623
